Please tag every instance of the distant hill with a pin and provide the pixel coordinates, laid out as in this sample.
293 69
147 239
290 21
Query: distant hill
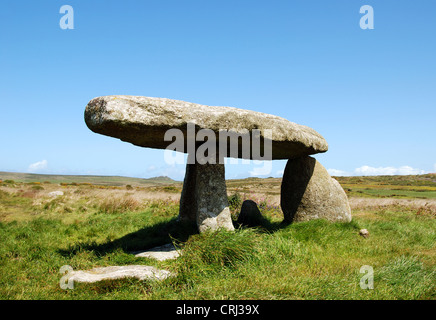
428 179
98 180
407 180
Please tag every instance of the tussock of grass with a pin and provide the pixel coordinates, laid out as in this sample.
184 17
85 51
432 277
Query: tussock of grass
211 251
409 275
119 204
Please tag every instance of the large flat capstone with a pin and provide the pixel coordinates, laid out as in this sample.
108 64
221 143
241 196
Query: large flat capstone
143 121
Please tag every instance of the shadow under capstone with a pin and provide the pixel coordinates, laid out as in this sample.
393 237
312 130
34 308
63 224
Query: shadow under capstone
142 239
174 230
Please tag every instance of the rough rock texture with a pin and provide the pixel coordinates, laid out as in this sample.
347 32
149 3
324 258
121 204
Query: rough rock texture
364 233
117 272
250 215
188 207
161 253
143 121
309 192
204 197
212 205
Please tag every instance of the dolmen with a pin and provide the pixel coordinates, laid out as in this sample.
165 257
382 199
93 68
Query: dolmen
208 134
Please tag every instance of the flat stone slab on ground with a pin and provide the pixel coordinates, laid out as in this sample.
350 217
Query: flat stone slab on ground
161 253
118 272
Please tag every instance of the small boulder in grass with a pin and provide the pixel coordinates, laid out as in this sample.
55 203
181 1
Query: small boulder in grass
55 194
250 215
364 233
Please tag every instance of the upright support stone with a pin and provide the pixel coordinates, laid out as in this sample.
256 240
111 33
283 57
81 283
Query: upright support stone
309 192
187 209
204 197
211 196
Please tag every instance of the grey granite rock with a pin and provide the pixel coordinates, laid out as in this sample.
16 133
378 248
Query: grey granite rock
143 121
118 272
55 194
188 206
364 233
309 192
161 253
204 197
212 205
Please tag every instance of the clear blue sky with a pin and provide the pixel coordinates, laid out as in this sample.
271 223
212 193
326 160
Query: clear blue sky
370 93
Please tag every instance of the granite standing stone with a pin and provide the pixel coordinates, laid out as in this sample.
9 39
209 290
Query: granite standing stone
309 192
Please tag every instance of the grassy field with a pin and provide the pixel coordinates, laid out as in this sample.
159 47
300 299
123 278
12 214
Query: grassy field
93 225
